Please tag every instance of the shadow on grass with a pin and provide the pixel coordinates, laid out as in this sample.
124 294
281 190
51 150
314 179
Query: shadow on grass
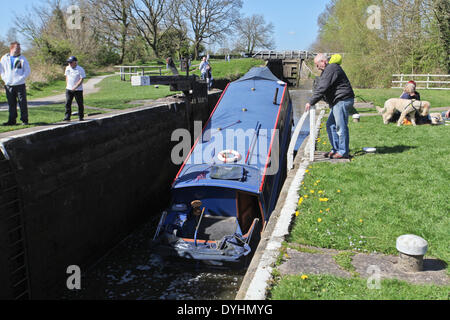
387 150
434 265
394 149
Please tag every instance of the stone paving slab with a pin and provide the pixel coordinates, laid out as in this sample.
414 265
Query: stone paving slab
319 157
322 262
434 270
300 263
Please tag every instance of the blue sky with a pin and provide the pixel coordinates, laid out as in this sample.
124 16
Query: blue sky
295 21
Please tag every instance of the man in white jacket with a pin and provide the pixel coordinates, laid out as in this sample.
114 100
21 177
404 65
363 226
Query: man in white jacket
14 71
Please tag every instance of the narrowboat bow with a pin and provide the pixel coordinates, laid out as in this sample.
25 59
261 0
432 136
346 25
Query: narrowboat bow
226 189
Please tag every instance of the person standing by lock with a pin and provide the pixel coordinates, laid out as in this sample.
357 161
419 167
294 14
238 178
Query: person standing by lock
74 87
14 71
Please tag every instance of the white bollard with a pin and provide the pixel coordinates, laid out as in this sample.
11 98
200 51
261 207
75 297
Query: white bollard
411 251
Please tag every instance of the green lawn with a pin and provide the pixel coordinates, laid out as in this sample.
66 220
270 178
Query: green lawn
40 116
230 70
326 287
40 90
364 205
115 94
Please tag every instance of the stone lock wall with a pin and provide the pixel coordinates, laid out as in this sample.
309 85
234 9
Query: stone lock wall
84 187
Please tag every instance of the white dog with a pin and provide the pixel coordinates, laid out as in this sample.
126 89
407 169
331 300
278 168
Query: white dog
405 107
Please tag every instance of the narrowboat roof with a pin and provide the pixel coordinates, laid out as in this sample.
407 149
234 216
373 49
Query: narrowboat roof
242 121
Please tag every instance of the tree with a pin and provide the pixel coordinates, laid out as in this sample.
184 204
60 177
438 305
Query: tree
441 10
254 32
207 20
147 19
413 37
111 19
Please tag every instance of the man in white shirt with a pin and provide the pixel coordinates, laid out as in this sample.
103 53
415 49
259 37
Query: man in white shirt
74 87
205 71
14 71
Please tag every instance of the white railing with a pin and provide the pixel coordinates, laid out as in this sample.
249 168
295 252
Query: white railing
293 54
427 79
138 71
312 136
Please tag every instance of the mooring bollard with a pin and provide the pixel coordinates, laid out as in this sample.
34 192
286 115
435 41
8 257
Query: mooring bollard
411 251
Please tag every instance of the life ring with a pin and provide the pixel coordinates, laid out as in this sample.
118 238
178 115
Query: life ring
229 156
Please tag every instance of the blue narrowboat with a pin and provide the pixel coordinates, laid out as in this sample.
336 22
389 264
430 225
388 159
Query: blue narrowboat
227 188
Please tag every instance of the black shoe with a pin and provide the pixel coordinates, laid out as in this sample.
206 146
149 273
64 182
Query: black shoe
9 124
25 123
81 119
66 119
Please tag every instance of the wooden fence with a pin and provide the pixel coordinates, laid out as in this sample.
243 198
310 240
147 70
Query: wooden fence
423 81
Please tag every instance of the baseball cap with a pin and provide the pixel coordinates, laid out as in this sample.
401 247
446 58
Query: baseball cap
72 59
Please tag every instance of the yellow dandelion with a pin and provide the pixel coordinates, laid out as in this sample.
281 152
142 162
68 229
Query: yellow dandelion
311 191
300 201
323 199
321 211
319 220
317 181
303 182
361 220
286 256
324 143
320 191
304 277
306 171
339 191
306 196
297 213
327 209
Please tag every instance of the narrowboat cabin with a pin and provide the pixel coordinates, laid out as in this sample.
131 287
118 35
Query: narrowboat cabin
226 189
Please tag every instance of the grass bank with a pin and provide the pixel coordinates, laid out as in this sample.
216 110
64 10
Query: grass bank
116 94
40 90
41 116
231 70
364 205
326 287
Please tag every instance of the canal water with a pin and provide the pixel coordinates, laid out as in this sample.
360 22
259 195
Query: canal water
131 271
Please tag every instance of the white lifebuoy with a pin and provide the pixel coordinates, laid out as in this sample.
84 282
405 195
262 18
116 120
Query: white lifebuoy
229 156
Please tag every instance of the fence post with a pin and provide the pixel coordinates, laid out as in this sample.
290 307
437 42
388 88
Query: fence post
428 81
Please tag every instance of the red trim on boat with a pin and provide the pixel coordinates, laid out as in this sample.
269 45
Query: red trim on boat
273 137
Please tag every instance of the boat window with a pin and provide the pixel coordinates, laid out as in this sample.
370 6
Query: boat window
179 207
227 172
